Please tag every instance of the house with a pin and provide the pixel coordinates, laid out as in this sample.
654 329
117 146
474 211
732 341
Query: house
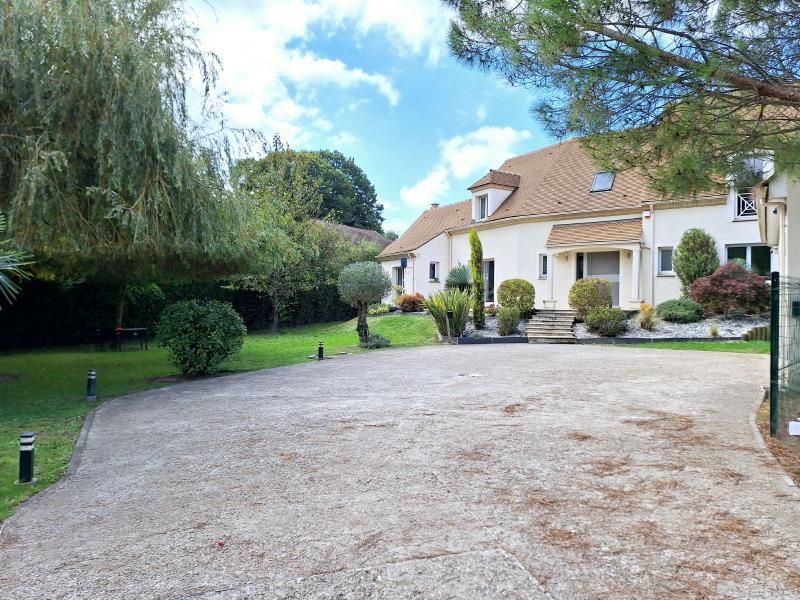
779 220
358 235
551 217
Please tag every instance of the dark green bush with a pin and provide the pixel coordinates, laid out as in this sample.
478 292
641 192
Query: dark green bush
680 310
606 321
588 294
517 293
507 320
199 336
376 340
458 278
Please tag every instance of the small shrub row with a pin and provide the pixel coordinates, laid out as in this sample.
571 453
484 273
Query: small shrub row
606 321
507 320
411 302
680 310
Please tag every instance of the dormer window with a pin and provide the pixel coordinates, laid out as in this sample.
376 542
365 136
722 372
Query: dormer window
483 207
603 181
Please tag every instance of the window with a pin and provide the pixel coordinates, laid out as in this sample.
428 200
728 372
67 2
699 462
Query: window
398 276
433 271
488 280
745 204
603 181
758 258
483 207
543 266
665 261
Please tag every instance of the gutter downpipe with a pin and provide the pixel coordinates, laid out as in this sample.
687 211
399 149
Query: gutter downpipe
653 253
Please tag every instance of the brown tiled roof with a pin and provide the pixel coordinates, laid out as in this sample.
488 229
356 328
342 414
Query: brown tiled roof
497 177
558 179
358 235
430 224
626 230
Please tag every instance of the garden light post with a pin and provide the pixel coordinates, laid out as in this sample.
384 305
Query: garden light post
91 385
321 351
26 444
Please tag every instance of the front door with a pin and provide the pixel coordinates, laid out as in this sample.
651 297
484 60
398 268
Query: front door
604 265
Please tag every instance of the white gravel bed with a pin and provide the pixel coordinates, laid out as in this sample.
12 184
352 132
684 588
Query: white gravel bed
731 327
491 328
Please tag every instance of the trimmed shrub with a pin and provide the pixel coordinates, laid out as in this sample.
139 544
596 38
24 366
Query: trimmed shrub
731 288
588 294
375 340
458 278
647 316
454 300
476 268
680 310
361 284
695 256
517 293
411 302
199 336
507 320
378 309
606 321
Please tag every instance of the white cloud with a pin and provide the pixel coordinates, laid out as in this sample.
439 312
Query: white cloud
271 74
480 150
432 188
344 138
462 156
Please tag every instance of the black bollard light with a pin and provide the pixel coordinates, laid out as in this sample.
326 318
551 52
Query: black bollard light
321 351
91 385
26 444
449 320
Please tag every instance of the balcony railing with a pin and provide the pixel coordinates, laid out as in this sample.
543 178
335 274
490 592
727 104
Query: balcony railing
745 204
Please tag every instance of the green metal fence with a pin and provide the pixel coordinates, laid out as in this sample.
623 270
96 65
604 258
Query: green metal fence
784 392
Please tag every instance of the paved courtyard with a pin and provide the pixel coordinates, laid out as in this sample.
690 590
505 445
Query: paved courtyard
514 471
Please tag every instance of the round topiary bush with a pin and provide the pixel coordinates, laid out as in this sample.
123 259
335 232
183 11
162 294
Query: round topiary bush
199 336
680 310
590 293
606 321
517 293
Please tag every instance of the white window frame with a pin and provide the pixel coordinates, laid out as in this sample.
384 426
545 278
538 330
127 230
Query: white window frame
748 259
398 273
436 272
661 271
744 205
483 203
600 174
544 267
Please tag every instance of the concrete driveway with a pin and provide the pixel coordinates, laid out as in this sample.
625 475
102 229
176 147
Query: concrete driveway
443 472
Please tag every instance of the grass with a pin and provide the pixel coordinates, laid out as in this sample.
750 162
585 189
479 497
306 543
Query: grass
44 391
754 347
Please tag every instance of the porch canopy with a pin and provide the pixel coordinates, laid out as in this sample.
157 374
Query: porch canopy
601 236
602 233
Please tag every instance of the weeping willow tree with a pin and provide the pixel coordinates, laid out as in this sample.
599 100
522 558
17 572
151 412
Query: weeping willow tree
103 171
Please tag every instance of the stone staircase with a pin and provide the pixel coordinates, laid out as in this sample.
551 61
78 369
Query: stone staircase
551 327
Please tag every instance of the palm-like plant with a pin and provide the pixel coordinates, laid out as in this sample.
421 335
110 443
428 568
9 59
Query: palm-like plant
12 263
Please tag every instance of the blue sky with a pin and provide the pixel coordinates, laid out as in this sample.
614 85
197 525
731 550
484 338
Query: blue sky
375 80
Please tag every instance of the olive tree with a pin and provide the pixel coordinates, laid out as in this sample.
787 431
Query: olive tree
696 256
359 285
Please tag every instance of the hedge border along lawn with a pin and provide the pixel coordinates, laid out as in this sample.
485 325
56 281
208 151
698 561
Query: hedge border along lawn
44 391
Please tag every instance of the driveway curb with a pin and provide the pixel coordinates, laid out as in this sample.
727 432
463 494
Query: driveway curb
80 444
761 444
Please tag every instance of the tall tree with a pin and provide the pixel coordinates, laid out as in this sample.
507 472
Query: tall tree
476 269
683 89
102 169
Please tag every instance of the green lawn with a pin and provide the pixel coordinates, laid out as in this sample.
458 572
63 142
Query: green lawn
754 347
44 391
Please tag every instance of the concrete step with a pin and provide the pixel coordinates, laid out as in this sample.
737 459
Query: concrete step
554 320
